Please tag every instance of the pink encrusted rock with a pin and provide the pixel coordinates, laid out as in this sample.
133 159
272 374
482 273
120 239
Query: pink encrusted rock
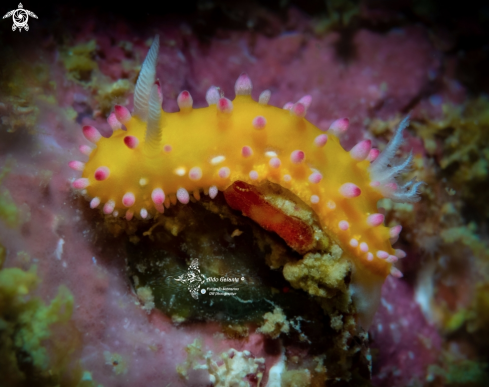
385 74
292 63
405 343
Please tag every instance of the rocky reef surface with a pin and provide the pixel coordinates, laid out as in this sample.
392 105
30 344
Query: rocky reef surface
86 300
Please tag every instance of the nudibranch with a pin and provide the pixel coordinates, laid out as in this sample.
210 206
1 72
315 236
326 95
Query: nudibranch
161 158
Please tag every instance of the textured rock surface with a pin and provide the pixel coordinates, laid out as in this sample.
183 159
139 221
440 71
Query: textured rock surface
384 76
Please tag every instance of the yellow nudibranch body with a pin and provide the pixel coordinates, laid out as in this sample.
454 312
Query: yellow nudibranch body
164 157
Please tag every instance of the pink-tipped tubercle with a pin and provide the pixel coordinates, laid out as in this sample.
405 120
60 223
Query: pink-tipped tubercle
315 177
102 173
195 174
299 109
264 97
77 165
375 220
306 101
91 134
213 191
85 149
321 140
360 151
350 190
185 100
297 156
259 122
81 183
183 196
395 231
246 151
275 162
131 142
243 85
400 253
128 199
225 105
122 114
109 207
339 126
212 96
314 199
94 203
224 172
114 122
373 154
158 196
396 272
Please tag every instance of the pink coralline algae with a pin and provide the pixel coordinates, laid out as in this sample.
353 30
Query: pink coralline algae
406 343
134 324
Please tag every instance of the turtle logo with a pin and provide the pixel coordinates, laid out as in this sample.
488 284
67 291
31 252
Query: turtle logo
193 279
20 17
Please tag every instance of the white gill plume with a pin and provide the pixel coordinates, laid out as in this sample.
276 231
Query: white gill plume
385 172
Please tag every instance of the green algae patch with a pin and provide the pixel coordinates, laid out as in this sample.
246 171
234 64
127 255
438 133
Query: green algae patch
3 255
475 318
78 61
460 372
9 212
340 14
37 340
82 68
110 93
459 142
21 83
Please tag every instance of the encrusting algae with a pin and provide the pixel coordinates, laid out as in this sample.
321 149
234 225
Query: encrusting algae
37 341
235 366
447 232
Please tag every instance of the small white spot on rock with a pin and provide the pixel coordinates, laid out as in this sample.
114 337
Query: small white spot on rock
59 248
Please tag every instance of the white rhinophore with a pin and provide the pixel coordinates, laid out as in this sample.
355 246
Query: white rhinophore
153 127
146 80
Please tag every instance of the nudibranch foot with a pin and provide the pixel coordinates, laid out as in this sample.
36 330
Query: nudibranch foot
164 158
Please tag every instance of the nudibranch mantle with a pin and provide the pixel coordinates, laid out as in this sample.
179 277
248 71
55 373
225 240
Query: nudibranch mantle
162 158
